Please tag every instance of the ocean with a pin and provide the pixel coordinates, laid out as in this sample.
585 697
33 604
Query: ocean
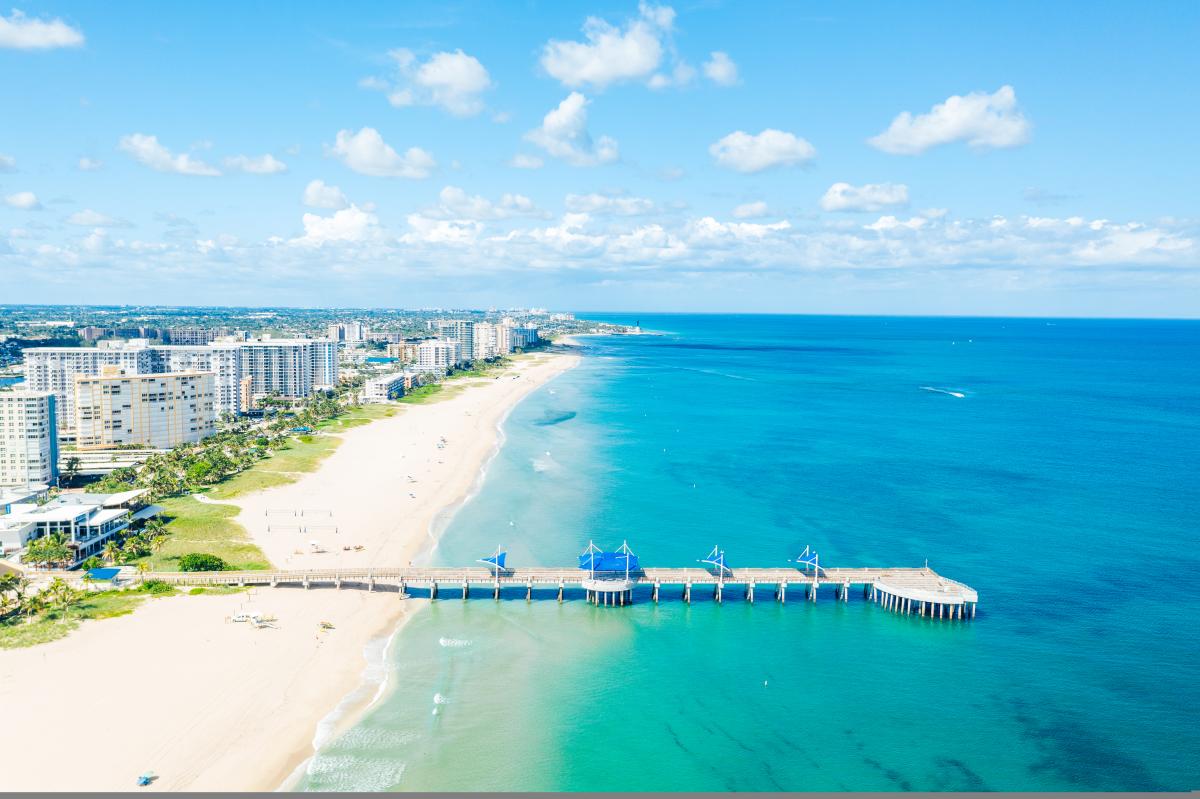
1049 464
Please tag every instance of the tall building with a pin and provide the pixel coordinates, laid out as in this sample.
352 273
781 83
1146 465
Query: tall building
347 331
222 360
525 336
54 369
490 341
152 410
325 363
462 331
282 367
438 355
28 438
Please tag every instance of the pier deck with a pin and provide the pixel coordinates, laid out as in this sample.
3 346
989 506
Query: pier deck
920 591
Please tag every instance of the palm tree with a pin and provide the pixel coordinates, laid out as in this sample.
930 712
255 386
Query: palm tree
142 568
112 551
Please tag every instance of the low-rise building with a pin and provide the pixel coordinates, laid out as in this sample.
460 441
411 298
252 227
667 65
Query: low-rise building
86 521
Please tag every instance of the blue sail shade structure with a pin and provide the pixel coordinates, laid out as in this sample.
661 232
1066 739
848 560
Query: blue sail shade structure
623 560
496 561
716 559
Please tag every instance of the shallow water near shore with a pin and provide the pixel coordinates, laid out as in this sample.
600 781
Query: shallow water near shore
1048 464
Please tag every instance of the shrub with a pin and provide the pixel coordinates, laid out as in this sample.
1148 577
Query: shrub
201 562
158 587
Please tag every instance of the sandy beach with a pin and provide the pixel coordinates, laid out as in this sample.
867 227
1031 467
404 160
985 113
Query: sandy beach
210 704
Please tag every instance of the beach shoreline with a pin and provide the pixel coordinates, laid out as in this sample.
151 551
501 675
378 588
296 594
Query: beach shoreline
251 704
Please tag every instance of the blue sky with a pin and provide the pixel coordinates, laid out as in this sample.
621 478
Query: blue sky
1017 158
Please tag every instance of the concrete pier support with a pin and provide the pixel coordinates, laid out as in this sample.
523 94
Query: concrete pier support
466 589
781 593
973 609
371 584
528 590
402 590
496 591
305 583
433 590
337 583
750 593
560 590
717 593
654 595
845 592
687 593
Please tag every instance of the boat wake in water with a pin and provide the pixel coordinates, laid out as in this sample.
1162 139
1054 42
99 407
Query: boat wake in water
958 394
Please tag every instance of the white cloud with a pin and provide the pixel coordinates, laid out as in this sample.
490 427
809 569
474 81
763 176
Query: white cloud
720 69
564 135
447 232
751 210
89 164
24 200
886 223
608 204
681 75
256 165
709 231
351 224
746 153
19 32
366 153
317 194
94 219
611 54
979 119
869 197
147 150
8 163
454 203
523 161
453 81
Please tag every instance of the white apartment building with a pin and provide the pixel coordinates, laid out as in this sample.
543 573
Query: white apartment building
54 369
195 336
282 367
460 330
86 521
490 341
438 355
347 331
153 410
325 363
28 438
405 351
384 388
220 359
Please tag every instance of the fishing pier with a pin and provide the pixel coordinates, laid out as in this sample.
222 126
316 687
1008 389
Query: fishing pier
911 591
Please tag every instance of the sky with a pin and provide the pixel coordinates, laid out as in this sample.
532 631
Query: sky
808 157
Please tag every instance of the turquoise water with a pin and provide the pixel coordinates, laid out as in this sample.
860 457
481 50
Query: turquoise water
1061 485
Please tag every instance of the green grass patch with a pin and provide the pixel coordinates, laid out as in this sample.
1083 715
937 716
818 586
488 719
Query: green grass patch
52 625
280 468
203 527
434 392
214 590
357 417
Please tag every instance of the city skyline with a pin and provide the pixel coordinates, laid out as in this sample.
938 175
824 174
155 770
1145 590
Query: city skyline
618 156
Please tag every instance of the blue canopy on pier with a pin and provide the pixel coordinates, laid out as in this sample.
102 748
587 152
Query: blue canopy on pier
808 557
106 573
496 560
594 559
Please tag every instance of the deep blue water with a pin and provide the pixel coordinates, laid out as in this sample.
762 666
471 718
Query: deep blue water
1061 485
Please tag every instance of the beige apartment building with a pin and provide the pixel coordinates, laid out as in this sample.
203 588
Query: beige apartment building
151 410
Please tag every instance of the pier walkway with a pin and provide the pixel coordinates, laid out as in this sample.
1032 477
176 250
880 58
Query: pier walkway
919 591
